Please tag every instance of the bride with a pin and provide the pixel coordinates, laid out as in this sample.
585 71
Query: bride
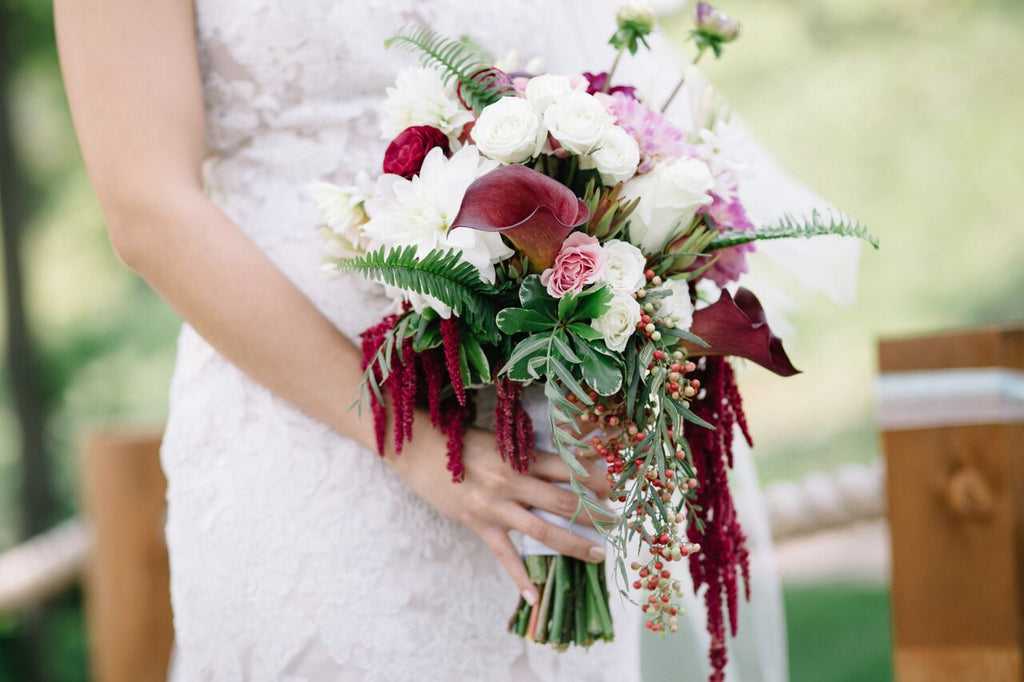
296 552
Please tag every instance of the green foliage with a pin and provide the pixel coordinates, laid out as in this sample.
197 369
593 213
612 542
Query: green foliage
458 62
790 227
609 213
441 274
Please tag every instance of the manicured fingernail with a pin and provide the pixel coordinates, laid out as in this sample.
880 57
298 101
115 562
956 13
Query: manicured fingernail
597 553
530 596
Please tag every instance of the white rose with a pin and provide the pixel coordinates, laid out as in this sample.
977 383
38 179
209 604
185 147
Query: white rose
669 198
624 267
543 91
509 131
578 121
675 308
420 98
619 322
616 157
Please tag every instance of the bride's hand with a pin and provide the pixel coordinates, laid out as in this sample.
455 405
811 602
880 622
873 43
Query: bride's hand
493 499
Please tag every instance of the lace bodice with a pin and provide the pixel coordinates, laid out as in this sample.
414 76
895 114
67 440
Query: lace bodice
292 87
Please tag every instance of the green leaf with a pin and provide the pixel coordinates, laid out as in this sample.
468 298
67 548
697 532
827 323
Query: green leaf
599 371
428 334
457 61
517 365
563 348
566 377
585 331
691 417
789 227
534 295
523 320
476 357
593 303
441 274
567 305
685 336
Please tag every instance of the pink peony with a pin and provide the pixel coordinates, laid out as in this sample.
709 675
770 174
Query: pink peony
658 139
580 262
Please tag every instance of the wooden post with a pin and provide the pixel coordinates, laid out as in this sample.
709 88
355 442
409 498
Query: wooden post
127 578
951 410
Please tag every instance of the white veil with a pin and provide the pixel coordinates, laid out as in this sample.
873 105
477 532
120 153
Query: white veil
780 272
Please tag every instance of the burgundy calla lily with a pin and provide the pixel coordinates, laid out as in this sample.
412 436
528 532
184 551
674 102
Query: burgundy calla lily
534 211
737 326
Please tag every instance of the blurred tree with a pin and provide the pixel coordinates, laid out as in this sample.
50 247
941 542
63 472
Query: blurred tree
21 36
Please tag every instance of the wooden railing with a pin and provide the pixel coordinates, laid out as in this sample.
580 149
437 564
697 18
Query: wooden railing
951 410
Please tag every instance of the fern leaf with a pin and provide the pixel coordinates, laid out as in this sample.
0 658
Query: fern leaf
790 227
441 274
458 61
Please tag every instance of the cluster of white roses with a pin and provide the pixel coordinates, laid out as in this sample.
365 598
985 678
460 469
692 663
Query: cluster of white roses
515 129
624 275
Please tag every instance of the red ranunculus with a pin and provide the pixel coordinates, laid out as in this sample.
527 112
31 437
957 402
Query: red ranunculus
406 152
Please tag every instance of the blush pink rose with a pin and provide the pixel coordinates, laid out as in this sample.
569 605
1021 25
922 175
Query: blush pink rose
580 262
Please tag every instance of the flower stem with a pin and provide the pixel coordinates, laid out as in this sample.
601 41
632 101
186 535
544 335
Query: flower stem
545 602
682 79
580 610
600 599
611 71
561 579
522 618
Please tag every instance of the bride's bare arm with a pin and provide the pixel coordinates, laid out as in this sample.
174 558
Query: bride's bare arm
133 81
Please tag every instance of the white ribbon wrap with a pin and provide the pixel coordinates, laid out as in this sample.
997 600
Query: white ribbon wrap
538 411
949 397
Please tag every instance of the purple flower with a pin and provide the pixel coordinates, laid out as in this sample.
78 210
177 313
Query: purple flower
658 139
715 24
729 215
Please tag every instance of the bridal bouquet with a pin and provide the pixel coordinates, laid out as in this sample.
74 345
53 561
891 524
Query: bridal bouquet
559 230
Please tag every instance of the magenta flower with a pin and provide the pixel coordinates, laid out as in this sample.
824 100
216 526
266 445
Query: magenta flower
596 83
533 211
658 139
732 262
580 262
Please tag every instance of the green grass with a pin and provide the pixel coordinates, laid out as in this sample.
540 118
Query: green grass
838 633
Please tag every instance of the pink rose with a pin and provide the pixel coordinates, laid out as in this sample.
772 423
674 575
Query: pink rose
579 262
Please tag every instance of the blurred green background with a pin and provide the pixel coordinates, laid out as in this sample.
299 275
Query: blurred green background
905 113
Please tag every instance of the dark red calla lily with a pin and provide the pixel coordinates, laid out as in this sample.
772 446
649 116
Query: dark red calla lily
534 211
737 326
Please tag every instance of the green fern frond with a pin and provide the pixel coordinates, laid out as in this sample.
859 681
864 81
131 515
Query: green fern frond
441 274
790 227
458 61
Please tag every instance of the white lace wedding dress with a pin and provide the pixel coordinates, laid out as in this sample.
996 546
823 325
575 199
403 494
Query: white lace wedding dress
297 555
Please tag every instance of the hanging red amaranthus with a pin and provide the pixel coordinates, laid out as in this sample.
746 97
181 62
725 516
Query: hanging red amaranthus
452 355
449 414
723 559
513 428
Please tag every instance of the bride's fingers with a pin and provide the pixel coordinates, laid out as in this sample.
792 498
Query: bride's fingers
558 539
499 543
533 492
551 468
